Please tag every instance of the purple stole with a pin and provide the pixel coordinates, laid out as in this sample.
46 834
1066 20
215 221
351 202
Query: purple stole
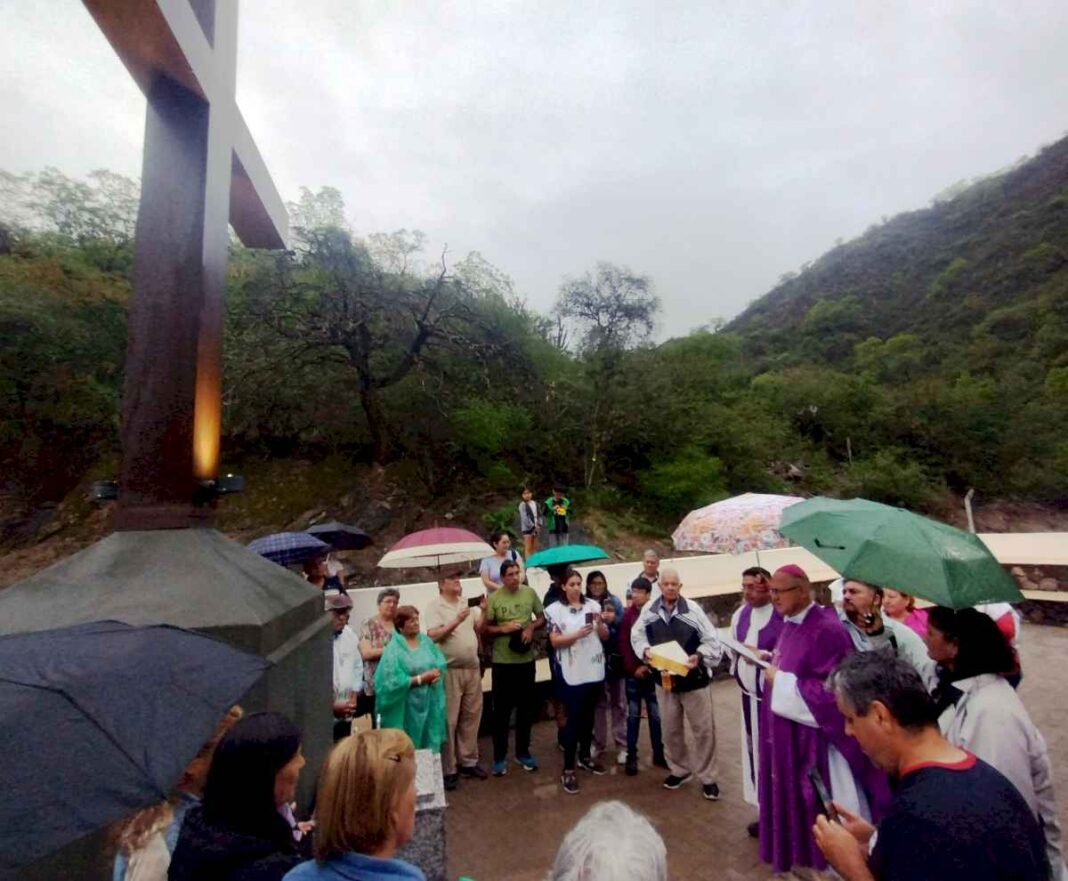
767 639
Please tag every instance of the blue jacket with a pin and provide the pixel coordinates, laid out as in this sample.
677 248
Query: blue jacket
356 867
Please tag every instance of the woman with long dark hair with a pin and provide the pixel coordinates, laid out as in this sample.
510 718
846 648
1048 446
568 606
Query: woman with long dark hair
244 829
576 631
983 714
612 700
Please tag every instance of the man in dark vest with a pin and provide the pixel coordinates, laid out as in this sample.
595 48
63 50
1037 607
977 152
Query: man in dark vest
682 699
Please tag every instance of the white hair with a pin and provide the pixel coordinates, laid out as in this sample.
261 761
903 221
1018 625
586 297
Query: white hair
612 842
649 552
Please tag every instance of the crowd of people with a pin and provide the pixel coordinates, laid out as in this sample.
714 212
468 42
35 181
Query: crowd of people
880 739
857 730
426 677
231 817
606 679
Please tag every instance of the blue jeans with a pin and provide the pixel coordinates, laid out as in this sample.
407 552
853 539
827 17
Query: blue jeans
639 690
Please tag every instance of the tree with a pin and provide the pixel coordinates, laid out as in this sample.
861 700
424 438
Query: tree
64 332
612 311
614 308
367 307
334 304
97 216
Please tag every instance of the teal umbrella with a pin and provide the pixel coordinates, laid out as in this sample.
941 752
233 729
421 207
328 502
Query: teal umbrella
566 554
892 547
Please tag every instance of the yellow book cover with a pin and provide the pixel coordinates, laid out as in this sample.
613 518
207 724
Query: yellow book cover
669 656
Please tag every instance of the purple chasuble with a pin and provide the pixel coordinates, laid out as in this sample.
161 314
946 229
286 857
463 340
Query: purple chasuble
788 804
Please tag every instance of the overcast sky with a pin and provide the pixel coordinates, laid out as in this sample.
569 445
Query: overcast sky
712 145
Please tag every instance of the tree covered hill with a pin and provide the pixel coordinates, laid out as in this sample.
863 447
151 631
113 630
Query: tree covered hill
927 357
979 280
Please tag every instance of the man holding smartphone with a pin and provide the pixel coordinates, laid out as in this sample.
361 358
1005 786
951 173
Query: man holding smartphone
952 817
455 626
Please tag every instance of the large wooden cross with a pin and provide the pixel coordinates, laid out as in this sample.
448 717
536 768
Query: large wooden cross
201 170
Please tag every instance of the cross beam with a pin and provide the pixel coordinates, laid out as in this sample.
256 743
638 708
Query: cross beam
171 38
201 171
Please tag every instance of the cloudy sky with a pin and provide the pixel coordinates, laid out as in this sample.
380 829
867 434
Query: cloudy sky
712 145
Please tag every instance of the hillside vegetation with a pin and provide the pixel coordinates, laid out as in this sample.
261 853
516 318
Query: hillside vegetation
924 358
939 337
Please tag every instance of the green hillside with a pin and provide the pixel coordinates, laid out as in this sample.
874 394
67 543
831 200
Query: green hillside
980 279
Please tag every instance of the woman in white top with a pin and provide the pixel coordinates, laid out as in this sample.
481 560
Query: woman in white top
984 714
576 631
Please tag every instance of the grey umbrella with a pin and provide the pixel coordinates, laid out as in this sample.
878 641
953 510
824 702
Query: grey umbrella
99 720
340 535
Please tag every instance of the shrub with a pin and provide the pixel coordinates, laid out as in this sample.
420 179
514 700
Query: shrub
691 479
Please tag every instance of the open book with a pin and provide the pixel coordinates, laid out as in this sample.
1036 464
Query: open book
743 651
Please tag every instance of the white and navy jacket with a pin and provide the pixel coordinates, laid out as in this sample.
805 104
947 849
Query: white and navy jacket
688 625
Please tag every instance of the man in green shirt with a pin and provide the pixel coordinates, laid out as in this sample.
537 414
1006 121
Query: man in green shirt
513 613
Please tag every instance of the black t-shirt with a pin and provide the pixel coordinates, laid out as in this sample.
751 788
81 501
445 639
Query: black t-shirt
964 821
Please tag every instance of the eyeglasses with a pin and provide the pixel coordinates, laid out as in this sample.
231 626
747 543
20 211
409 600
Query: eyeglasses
779 591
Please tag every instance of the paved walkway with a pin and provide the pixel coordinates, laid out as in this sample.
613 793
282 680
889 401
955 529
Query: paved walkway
508 829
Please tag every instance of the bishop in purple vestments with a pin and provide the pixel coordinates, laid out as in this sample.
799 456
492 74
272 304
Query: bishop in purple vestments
801 728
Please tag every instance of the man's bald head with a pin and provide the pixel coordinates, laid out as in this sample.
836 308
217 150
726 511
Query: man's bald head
791 591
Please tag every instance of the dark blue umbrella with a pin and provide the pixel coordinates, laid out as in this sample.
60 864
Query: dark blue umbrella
289 548
100 720
340 535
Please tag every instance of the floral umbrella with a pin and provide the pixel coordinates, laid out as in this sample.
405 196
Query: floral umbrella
749 522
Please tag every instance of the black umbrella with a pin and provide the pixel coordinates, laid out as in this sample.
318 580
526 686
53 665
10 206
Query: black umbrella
341 536
99 720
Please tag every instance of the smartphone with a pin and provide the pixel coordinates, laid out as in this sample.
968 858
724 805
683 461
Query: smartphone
822 794
474 601
589 617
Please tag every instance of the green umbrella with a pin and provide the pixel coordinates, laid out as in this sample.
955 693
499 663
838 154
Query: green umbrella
892 547
566 554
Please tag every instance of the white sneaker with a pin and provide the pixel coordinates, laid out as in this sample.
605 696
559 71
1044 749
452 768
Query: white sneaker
621 757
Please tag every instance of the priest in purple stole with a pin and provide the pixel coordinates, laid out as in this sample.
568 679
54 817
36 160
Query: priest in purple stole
755 624
801 728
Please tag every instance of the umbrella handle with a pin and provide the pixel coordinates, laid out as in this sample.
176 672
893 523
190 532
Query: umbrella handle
820 544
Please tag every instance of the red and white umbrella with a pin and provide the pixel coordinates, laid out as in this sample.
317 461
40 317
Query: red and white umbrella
440 546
